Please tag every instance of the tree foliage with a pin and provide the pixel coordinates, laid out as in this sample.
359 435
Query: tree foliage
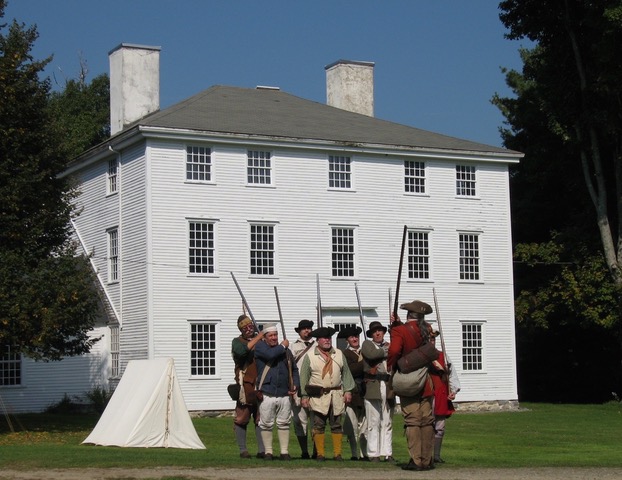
566 117
48 300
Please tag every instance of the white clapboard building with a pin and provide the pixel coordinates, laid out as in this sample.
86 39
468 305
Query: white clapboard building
281 191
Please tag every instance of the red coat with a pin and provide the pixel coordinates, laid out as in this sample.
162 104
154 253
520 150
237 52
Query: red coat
404 339
442 405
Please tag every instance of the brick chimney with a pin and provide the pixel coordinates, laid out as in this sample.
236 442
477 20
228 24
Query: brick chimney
134 84
350 86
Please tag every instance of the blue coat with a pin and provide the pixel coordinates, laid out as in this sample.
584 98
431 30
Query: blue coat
276 382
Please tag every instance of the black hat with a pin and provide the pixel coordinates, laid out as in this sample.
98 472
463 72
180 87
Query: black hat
349 332
303 324
373 326
417 306
323 332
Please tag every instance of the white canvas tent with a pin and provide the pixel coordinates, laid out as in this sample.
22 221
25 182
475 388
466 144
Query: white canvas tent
147 410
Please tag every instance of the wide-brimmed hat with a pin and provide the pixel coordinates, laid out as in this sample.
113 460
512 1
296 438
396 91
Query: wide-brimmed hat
303 324
349 332
417 306
373 326
323 332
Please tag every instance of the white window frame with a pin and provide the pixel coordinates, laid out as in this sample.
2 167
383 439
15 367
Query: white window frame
424 257
343 254
340 172
472 335
113 246
112 176
469 256
201 248
115 349
259 168
10 368
415 179
466 181
198 361
199 165
262 251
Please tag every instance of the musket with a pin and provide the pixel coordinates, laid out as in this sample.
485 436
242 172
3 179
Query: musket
390 302
319 301
399 273
289 361
358 300
245 303
440 331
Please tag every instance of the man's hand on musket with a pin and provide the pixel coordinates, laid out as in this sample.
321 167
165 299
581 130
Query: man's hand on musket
285 343
293 392
304 402
347 397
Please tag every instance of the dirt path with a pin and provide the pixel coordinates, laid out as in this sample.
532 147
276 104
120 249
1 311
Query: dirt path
325 473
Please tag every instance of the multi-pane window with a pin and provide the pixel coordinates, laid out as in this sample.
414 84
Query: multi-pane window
418 255
10 367
339 172
198 164
202 349
113 255
114 351
201 247
112 175
262 250
465 180
259 168
469 256
342 252
472 346
414 177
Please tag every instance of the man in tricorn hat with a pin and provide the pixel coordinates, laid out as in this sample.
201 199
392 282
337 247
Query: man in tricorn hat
354 424
243 353
299 349
379 401
326 385
418 410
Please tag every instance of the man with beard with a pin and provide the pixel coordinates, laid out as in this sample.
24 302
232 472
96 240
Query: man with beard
326 385
242 351
278 381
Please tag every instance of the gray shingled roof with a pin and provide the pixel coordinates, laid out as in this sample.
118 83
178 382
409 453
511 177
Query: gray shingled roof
273 113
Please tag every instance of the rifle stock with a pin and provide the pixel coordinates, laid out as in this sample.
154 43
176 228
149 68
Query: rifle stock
399 273
289 360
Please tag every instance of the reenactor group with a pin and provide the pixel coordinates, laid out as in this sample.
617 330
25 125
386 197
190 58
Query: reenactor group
349 391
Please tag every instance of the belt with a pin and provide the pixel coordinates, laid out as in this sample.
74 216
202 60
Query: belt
384 377
326 390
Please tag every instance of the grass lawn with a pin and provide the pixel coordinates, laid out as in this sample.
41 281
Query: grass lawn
542 435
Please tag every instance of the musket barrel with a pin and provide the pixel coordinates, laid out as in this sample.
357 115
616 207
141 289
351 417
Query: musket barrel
245 303
399 272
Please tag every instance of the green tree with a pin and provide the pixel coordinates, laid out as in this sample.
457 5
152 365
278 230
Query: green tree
81 111
566 193
48 299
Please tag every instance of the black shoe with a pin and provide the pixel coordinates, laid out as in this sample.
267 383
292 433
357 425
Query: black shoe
411 466
390 459
260 455
338 458
439 460
245 454
305 456
364 459
267 456
320 458
354 459
285 456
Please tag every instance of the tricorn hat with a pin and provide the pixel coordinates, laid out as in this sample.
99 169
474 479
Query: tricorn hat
349 332
417 306
323 332
373 326
303 324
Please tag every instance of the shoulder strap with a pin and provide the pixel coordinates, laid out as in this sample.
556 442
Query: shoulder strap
302 354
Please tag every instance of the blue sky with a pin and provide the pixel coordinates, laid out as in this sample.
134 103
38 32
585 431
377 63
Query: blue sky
437 62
